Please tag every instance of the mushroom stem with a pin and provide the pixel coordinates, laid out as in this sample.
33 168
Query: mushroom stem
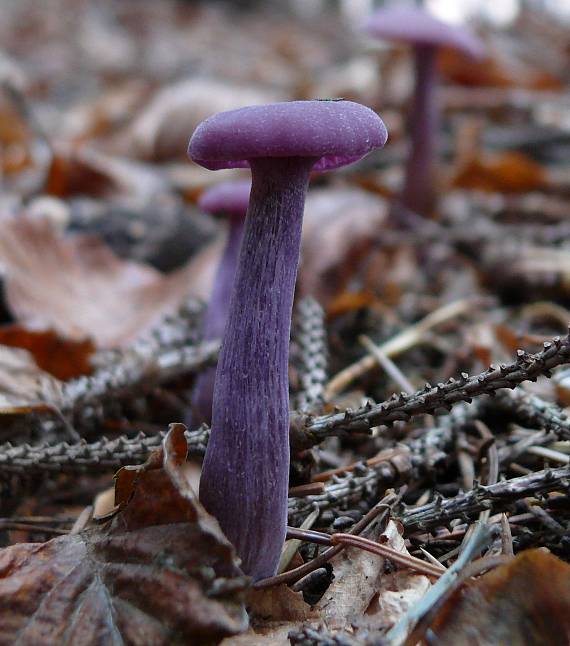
215 319
419 185
250 421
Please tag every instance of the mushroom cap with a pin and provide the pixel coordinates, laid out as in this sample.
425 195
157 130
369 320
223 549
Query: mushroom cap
229 198
335 133
414 25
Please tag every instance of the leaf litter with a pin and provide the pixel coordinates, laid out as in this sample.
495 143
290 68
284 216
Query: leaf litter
105 348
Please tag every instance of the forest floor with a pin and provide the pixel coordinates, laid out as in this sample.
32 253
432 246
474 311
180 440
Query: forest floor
430 356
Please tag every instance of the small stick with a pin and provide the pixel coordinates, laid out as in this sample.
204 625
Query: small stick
292 545
431 558
548 454
492 461
32 527
506 536
373 547
309 489
404 340
407 629
82 520
387 364
380 511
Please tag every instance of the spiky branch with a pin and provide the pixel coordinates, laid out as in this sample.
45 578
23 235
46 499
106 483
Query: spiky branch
535 412
496 497
309 354
103 455
527 367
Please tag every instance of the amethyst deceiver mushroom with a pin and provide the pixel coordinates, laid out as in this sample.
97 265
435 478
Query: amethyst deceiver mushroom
414 25
246 468
228 200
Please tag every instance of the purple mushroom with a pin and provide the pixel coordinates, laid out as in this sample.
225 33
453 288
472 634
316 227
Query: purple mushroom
230 200
246 469
414 25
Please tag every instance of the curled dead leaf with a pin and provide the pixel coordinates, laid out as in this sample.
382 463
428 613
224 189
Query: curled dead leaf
161 131
509 172
339 226
160 572
78 287
524 602
23 386
62 358
86 171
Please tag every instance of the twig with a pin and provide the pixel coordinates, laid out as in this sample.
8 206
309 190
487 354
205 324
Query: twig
387 364
495 497
506 536
137 372
102 455
527 367
310 354
404 630
293 543
534 412
379 511
373 547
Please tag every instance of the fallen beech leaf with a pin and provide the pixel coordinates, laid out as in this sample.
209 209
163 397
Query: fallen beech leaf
339 226
522 603
359 576
501 69
78 287
274 612
62 358
278 603
397 591
509 172
349 302
160 572
23 386
85 171
161 132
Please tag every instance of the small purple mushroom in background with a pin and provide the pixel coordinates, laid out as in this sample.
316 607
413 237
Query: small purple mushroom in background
245 475
229 200
411 24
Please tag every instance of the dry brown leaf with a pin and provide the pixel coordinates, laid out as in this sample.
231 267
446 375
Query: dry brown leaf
160 572
526 602
78 287
162 131
359 577
85 171
277 604
509 172
23 386
62 358
339 226
274 612
398 590
500 69
349 302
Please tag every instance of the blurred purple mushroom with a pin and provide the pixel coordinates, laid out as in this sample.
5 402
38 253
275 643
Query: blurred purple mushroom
246 469
229 200
414 25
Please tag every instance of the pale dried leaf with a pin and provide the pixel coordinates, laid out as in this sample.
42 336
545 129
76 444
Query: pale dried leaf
78 287
339 225
398 590
23 386
85 171
359 576
162 130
